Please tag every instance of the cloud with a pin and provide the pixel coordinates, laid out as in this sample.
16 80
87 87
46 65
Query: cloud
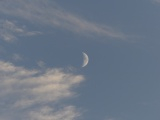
110 119
16 57
47 113
9 31
41 64
156 1
36 94
46 12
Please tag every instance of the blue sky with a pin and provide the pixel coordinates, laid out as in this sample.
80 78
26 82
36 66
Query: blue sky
41 73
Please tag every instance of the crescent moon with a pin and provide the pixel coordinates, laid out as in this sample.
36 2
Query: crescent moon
85 59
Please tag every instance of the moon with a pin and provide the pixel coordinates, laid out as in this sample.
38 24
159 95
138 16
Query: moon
85 59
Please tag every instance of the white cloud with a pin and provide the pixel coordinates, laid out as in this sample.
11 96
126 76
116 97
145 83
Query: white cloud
35 94
46 12
9 31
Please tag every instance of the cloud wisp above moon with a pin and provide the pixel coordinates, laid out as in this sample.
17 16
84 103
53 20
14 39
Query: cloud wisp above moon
50 14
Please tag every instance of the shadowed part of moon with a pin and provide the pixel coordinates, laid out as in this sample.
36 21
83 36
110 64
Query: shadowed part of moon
85 59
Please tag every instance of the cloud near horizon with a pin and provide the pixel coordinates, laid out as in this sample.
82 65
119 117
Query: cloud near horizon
46 12
36 94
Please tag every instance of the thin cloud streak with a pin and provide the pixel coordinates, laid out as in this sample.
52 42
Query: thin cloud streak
36 94
9 31
48 13
47 113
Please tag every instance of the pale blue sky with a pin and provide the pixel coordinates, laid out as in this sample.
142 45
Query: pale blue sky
41 45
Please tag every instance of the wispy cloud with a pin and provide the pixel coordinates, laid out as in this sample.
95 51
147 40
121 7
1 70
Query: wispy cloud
156 1
109 119
47 113
35 95
9 31
41 64
16 57
46 12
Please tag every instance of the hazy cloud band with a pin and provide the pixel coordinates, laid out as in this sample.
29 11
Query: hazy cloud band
46 12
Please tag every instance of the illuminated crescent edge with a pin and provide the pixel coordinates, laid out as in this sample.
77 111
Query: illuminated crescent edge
85 59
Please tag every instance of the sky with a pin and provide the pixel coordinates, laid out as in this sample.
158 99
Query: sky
41 56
